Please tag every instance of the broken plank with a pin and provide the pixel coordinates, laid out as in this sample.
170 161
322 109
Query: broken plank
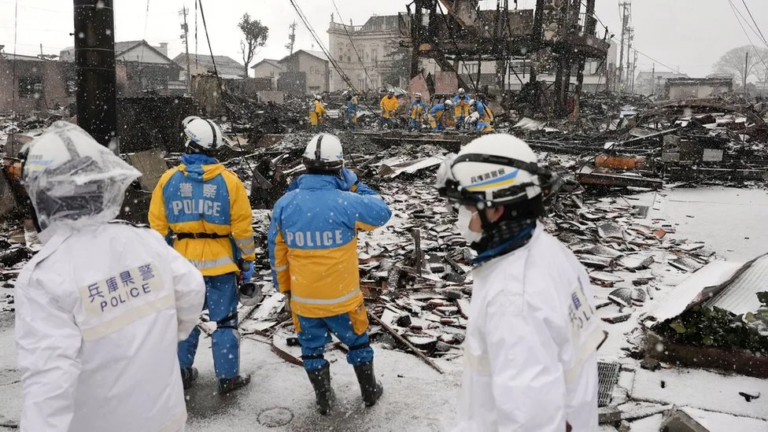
401 339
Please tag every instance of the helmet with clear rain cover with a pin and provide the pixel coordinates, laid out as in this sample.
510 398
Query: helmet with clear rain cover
72 179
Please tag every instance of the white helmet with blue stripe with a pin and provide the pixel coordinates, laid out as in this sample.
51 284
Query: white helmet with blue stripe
493 170
324 152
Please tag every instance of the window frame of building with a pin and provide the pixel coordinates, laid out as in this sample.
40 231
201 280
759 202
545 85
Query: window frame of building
29 86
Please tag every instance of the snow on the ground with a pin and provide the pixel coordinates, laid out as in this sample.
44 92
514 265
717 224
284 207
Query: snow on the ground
717 422
416 397
702 389
648 424
729 220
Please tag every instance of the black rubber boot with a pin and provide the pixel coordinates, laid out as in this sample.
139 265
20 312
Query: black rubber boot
228 385
321 382
369 387
188 376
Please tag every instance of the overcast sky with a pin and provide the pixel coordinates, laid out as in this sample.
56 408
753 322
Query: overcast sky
686 34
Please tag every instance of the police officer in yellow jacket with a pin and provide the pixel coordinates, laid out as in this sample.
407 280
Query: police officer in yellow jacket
316 112
204 212
389 105
313 253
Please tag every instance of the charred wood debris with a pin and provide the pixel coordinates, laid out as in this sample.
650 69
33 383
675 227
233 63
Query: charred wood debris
416 271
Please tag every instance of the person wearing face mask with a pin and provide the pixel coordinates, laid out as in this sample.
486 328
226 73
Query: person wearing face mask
532 340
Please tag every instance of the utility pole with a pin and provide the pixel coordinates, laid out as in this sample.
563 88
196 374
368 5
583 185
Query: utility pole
746 71
624 36
630 39
634 69
653 80
185 36
292 37
95 70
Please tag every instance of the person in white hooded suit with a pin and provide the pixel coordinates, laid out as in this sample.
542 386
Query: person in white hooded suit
101 308
530 351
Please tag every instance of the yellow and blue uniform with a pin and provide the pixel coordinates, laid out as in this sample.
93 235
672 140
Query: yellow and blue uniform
436 117
352 106
486 118
206 208
461 109
388 107
417 111
316 113
313 254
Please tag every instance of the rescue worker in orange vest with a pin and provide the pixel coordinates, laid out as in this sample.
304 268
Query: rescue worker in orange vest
314 262
461 107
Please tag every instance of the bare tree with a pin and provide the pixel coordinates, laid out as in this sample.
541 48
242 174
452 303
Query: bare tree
256 36
735 62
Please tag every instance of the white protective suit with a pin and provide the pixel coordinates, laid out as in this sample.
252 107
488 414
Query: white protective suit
530 350
100 311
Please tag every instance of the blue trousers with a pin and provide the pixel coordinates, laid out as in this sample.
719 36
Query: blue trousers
351 120
415 124
221 301
315 334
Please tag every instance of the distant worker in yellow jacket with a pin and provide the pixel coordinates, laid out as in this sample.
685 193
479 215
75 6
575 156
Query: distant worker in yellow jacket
317 112
203 211
314 262
389 105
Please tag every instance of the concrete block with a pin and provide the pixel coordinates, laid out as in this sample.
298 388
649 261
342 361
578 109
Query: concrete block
679 421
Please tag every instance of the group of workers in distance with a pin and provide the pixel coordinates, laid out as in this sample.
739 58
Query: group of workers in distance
450 112
107 314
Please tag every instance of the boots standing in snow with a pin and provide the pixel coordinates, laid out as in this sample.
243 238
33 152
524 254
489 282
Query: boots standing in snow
321 382
369 387
227 385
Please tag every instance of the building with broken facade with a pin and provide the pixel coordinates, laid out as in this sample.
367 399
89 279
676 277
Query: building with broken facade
32 84
653 82
140 67
203 64
696 88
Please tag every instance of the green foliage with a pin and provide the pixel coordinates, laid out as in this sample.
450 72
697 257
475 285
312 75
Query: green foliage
716 328
256 35
400 65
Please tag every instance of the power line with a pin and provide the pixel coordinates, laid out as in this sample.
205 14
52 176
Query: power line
734 10
755 22
756 32
360 59
333 61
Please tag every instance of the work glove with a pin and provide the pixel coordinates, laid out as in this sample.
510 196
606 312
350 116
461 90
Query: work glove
287 307
348 178
248 271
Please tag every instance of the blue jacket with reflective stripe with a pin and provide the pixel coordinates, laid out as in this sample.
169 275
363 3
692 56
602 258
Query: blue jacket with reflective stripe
313 243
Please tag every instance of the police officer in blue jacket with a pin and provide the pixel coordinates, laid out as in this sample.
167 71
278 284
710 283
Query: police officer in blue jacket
313 254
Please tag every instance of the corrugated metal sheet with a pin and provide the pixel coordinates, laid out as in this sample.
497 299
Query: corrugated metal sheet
740 296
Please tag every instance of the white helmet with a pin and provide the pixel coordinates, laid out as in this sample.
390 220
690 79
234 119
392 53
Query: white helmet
71 178
472 102
418 95
324 152
461 91
203 135
493 170
449 102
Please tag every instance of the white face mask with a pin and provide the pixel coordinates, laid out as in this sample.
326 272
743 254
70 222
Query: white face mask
465 217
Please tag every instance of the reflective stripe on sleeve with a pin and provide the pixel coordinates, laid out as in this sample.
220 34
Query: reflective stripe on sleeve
211 264
341 299
281 268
